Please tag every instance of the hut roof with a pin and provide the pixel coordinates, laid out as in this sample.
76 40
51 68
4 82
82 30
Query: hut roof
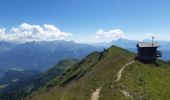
147 44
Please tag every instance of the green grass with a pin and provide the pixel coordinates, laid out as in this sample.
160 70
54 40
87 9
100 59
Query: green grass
147 81
142 81
96 73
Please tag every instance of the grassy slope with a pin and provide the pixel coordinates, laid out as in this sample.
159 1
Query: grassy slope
148 81
142 81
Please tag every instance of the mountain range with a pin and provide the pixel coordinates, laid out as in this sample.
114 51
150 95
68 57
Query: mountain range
40 55
33 77
112 74
37 56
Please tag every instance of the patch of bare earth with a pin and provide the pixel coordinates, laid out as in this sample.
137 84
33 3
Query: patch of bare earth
126 93
95 94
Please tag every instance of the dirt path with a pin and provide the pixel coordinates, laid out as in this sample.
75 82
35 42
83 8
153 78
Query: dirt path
119 74
95 94
126 93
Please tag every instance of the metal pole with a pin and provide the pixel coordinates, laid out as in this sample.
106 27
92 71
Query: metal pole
152 40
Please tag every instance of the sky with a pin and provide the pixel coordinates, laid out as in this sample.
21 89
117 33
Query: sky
84 20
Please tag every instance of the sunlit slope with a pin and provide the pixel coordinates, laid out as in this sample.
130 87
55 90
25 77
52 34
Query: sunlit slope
99 70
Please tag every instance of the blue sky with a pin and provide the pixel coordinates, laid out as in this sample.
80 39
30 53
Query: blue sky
84 18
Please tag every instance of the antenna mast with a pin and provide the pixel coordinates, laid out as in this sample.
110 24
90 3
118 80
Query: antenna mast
152 39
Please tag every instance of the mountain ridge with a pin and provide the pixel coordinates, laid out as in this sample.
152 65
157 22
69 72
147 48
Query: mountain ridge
42 54
74 84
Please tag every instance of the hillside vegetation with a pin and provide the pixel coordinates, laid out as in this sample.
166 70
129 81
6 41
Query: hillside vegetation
138 81
112 74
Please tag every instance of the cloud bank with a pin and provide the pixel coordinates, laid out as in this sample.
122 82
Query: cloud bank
109 35
27 32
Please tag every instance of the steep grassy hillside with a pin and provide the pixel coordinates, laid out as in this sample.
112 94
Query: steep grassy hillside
24 87
99 71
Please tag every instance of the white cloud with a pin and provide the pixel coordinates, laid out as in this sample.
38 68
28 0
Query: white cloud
2 31
110 35
27 32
